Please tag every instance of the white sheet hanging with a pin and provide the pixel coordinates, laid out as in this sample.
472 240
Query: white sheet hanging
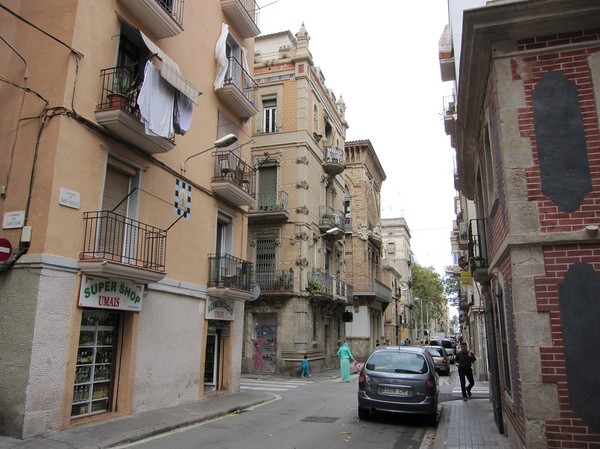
221 56
156 100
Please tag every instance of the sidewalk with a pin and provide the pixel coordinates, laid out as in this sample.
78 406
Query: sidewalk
467 424
464 425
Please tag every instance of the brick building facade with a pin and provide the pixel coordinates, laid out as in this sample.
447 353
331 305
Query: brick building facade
528 151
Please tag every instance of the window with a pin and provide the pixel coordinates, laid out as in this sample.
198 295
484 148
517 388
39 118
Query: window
224 234
502 333
489 170
267 187
269 110
391 247
266 261
316 119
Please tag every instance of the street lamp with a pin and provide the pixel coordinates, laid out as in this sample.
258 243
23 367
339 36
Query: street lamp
223 142
332 231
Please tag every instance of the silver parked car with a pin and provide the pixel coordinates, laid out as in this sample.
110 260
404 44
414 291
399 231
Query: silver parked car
398 379
440 358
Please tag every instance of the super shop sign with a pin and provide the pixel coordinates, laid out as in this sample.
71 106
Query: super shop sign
103 293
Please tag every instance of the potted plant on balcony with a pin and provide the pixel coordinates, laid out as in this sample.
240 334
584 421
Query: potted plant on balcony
122 89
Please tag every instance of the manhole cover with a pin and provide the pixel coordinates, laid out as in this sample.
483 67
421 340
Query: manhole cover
322 419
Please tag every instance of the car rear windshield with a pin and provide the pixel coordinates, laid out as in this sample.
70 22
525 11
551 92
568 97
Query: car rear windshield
397 362
436 352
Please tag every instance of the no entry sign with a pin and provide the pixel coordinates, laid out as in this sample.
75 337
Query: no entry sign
5 249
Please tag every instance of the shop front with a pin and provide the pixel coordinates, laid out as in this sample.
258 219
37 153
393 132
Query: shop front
219 319
106 307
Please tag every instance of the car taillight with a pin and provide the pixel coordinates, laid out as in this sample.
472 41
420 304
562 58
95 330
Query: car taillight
444 360
430 386
362 380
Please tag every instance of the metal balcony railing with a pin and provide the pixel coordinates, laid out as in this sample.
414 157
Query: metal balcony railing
231 168
478 252
119 90
174 8
323 284
240 78
449 105
114 237
333 154
270 202
332 217
253 9
225 270
276 281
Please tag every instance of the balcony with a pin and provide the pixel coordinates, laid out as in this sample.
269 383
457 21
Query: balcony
163 17
333 162
446 55
377 290
244 15
230 277
234 180
117 246
119 113
463 235
478 255
329 219
269 208
238 91
449 113
276 282
324 286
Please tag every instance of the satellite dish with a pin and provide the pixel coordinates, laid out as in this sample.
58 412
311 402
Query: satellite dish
255 291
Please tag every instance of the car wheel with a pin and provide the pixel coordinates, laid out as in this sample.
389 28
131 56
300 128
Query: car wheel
364 413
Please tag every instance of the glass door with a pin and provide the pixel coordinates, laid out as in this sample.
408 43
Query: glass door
92 389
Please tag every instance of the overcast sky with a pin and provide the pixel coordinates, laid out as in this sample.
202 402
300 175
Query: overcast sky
381 56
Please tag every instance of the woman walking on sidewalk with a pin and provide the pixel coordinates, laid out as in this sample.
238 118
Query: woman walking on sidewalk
464 360
345 356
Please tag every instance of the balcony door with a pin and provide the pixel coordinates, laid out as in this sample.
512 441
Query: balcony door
266 261
116 236
267 187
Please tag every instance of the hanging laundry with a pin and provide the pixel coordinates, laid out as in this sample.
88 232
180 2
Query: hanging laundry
182 113
156 101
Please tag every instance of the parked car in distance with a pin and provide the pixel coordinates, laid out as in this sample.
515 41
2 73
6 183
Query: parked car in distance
398 379
447 344
440 358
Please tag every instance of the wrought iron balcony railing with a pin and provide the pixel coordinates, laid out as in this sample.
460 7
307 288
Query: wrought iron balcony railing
335 155
225 270
114 237
270 202
276 281
119 90
478 251
231 168
174 8
323 284
240 78
331 217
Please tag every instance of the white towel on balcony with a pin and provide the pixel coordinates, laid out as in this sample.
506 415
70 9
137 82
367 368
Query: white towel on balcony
156 100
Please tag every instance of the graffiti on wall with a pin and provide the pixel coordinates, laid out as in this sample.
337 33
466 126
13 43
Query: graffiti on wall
265 343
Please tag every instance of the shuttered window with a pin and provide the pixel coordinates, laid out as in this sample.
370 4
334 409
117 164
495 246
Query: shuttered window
265 259
267 187
113 236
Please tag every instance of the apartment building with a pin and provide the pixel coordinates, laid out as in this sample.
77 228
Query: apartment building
363 177
397 255
527 139
297 227
125 180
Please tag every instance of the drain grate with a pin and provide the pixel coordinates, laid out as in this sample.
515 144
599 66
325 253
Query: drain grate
321 419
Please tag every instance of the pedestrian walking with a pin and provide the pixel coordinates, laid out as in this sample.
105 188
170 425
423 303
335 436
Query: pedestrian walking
464 360
305 367
345 355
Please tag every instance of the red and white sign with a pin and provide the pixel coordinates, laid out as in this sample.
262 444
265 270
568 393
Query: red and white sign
5 249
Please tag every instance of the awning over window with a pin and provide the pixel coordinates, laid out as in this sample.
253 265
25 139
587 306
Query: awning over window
169 71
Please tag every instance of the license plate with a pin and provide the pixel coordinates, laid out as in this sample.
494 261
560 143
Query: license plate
394 391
